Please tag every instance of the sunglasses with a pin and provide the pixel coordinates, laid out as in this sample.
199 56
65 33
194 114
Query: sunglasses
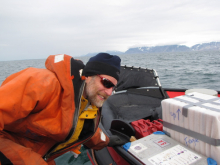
106 83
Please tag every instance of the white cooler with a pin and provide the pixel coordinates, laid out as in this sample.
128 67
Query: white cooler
194 120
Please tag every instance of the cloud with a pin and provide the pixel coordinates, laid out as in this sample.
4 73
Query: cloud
36 29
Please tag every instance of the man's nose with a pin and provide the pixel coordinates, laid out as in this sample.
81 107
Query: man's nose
108 91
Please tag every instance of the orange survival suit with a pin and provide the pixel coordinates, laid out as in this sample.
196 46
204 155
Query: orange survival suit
39 110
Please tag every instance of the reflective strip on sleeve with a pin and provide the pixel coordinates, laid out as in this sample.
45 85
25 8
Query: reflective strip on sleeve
103 137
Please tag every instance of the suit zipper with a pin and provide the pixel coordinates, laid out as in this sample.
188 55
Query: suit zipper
45 158
75 120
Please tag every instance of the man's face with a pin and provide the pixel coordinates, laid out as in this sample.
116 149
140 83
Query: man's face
95 91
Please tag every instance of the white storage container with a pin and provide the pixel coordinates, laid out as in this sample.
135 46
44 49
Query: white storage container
194 120
161 149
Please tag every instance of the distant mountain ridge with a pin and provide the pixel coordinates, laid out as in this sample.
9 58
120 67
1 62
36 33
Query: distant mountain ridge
206 46
158 49
166 48
175 48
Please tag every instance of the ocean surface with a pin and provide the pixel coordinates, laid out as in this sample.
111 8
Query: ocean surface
176 70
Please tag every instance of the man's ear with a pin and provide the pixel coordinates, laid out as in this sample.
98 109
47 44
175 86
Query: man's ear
87 79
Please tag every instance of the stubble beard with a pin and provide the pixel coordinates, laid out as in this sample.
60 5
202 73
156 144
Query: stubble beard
92 92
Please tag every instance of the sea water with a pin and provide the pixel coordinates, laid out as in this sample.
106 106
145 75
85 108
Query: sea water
199 69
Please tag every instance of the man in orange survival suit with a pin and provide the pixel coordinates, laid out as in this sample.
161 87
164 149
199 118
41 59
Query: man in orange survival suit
47 112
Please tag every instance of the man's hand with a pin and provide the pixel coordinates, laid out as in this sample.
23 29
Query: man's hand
115 141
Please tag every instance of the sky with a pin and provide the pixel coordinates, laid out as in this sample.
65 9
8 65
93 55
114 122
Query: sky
36 29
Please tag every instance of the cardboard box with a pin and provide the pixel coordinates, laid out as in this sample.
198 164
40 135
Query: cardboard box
194 120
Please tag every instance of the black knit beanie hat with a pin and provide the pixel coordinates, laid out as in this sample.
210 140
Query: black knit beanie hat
103 63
